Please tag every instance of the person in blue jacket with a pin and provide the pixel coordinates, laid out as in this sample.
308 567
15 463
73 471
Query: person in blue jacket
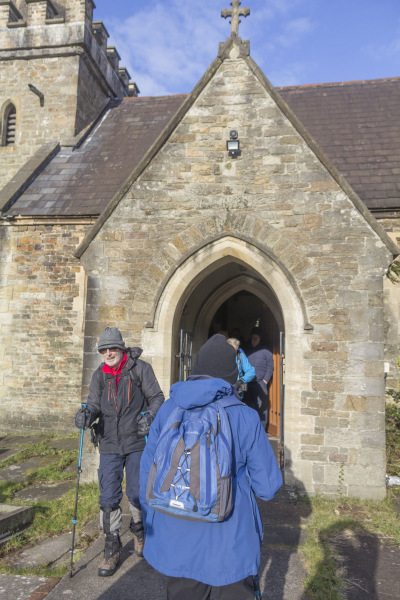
246 371
195 555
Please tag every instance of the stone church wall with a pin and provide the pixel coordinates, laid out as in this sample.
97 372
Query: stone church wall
66 62
42 296
36 124
392 312
279 197
91 97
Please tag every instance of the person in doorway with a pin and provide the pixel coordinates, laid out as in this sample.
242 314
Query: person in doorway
236 333
263 361
197 555
125 396
224 333
246 371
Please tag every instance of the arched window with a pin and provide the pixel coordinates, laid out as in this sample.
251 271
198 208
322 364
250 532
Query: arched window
9 123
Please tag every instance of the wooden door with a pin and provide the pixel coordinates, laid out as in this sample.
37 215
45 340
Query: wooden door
274 395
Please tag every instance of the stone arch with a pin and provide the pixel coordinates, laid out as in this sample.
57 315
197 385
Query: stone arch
159 336
296 266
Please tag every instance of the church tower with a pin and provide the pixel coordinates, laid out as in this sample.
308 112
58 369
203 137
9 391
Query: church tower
57 74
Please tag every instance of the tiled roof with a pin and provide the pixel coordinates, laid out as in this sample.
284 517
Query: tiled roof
83 181
357 125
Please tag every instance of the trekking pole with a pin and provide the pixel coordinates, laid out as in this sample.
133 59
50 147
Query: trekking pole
257 590
79 471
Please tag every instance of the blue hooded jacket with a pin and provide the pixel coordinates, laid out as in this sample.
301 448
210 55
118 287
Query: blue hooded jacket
214 553
246 371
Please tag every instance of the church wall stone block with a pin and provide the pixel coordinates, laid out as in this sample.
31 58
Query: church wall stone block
42 296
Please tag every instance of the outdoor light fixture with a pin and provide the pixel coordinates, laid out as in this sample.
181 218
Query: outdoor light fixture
233 145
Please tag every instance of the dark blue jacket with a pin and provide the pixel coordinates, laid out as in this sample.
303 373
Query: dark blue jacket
263 362
213 553
118 411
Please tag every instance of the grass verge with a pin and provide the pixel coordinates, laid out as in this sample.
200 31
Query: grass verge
51 518
342 518
333 520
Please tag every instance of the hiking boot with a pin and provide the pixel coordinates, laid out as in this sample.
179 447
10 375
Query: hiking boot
112 553
138 536
109 565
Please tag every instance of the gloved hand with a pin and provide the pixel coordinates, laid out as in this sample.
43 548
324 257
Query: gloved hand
83 418
238 384
144 421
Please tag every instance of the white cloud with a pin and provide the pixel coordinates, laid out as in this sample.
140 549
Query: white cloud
294 31
387 50
167 49
292 74
167 46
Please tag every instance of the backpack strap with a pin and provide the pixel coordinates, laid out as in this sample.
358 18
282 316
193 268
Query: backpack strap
239 475
225 403
102 379
133 376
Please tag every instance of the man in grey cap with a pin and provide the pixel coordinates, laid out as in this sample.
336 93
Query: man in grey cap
124 396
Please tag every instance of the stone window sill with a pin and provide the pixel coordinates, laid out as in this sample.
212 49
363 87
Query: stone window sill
55 21
14 24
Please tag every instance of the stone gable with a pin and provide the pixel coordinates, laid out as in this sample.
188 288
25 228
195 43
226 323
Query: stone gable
279 205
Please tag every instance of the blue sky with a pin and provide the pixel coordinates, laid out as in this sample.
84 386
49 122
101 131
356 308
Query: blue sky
167 45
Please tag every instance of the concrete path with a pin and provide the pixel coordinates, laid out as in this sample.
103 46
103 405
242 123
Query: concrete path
371 564
281 575
18 587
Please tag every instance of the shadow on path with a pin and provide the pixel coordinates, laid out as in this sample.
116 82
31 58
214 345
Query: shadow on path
351 553
282 571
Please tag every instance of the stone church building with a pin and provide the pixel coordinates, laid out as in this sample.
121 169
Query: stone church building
124 211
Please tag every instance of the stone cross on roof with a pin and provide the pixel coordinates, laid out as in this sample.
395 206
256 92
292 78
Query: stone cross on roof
235 12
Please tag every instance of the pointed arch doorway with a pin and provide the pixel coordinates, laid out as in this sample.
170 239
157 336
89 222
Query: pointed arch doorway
233 298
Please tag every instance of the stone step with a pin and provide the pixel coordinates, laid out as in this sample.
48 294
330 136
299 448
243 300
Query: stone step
13 518
16 473
44 553
45 491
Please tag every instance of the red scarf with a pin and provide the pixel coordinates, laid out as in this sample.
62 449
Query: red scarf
117 370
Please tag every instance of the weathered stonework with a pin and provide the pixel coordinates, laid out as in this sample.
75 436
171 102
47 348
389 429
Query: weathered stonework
42 307
64 61
391 321
190 228
277 200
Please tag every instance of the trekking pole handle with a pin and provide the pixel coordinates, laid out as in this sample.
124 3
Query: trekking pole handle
84 405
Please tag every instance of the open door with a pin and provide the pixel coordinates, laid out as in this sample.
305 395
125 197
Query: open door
274 413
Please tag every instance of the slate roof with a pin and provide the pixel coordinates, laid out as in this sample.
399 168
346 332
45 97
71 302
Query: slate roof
83 181
357 124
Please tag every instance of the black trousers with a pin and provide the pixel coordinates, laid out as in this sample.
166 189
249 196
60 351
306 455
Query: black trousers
180 588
